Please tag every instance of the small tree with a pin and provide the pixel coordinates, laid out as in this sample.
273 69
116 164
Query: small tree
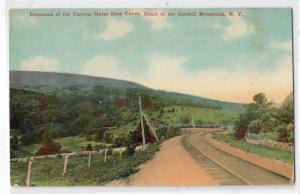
48 145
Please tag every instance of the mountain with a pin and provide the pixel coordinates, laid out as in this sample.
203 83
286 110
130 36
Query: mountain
37 81
202 100
35 78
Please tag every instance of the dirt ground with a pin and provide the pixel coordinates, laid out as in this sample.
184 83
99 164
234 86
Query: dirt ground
171 166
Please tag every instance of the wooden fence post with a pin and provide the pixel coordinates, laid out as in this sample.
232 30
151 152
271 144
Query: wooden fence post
29 172
105 155
65 164
89 163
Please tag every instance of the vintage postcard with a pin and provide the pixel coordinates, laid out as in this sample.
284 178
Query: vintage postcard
151 97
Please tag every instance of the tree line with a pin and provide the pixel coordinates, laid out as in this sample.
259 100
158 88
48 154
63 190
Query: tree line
263 117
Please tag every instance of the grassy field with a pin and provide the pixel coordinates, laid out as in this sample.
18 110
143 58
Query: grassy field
48 172
170 115
263 151
72 144
178 114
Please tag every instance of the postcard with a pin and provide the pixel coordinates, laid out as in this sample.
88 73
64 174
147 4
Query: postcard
151 97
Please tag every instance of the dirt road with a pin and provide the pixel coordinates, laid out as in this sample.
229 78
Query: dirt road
171 166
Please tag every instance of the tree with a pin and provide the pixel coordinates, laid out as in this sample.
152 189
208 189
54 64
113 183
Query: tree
48 145
286 111
251 119
260 99
285 116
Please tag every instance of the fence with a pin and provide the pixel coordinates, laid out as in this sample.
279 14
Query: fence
66 156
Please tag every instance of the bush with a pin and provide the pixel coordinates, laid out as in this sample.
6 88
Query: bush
130 150
255 126
98 147
240 133
285 133
109 152
89 147
166 133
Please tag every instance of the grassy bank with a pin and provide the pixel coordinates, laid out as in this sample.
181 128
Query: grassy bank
48 172
263 151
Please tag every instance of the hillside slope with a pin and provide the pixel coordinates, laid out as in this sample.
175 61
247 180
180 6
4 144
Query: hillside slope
35 78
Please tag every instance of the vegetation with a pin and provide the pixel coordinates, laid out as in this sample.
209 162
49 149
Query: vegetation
48 146
48 172
257 149
69 113
263 117
104 116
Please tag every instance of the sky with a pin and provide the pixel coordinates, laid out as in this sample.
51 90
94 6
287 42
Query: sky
219 57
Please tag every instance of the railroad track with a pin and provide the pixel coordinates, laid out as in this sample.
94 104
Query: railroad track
226 168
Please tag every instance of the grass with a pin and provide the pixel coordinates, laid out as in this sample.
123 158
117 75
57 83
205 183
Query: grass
124 128
72 143
287 157
48 172
200 115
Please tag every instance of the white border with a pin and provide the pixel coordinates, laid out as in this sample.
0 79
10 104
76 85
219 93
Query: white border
4 96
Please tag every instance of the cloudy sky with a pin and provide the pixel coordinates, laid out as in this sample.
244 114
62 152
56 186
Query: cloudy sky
226 58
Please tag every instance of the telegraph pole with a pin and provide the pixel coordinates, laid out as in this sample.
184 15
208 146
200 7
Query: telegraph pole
142 123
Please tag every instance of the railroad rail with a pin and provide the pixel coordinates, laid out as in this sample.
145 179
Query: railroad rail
226 168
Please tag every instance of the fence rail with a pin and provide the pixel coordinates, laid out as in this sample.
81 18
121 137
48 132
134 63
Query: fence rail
66 156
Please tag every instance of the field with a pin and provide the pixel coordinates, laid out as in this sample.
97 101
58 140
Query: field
171 115
184 114
71 144
263 151
48 172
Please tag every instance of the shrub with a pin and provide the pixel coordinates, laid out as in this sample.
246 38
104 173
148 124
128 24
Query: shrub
285 132
130 150
89 147
240 133
98 147
109 151
255 126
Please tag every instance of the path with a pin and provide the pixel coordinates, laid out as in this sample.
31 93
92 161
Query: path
171 166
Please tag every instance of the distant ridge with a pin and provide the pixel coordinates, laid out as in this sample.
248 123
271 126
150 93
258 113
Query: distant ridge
37 78
32 79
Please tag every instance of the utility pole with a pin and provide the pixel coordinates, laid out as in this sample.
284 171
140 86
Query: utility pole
142 123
